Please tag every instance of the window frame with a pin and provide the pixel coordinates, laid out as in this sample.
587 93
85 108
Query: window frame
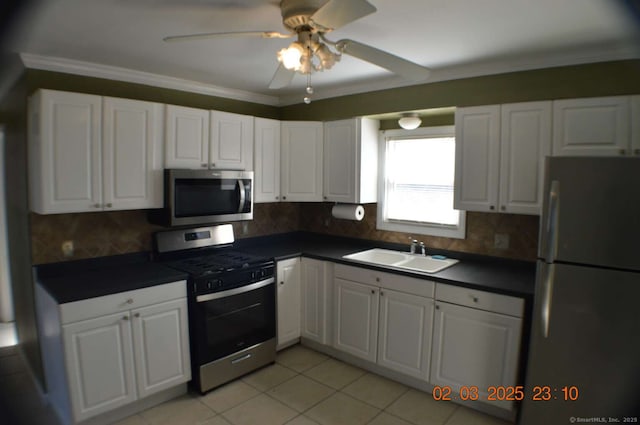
458 232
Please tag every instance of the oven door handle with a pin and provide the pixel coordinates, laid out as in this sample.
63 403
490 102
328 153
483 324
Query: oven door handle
243 195
235 291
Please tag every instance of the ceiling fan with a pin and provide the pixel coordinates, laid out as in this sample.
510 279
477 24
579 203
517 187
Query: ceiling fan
310 21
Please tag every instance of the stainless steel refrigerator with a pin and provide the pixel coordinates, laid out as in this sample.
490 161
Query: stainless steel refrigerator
584 354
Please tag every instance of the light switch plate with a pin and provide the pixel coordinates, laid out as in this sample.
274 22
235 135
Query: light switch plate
501 241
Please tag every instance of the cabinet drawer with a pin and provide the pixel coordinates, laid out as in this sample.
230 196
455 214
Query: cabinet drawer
480 299
396 282
122 301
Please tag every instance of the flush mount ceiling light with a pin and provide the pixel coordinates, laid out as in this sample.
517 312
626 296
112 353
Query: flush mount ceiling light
410 121
310 20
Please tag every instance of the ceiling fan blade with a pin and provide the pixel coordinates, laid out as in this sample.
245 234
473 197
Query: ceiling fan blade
336 13
205 35
408 70
282 78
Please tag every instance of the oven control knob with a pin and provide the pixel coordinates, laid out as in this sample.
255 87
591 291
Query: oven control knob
209 284
253 275
218 283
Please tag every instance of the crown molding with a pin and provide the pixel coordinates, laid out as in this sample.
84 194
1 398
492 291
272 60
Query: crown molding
89 69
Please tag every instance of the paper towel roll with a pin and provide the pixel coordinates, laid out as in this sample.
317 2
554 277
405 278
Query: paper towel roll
348 211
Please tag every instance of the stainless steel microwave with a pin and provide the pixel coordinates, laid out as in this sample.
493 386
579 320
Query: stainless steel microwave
205 196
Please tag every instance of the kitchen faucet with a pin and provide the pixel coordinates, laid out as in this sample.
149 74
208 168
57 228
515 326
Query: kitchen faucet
414 246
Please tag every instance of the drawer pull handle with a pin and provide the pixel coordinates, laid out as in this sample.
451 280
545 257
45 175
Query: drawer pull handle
136 315
373 292
475 299
377 279
125 317
241 359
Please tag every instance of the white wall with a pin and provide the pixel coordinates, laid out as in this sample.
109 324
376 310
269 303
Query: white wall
6 303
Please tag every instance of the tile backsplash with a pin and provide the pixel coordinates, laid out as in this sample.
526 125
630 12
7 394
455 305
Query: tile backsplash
481 229
98 234
119 232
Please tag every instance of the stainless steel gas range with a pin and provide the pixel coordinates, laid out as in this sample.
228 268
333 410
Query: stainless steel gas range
232 302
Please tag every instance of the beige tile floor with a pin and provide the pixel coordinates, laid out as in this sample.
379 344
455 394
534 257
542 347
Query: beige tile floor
303 387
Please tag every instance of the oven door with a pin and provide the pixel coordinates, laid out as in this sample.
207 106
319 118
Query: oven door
230 321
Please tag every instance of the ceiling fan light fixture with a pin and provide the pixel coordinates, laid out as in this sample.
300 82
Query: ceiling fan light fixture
410 121
291 56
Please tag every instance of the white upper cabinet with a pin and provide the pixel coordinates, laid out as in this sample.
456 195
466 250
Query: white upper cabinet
525 140
500 152
351 160
477 158
596 126
301 167
187 137
266 154
131 154
231 145
88 153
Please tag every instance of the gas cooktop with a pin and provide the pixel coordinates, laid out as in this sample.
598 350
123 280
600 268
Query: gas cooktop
216 260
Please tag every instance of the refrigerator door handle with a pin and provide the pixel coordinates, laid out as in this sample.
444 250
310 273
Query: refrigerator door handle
552 221
547 297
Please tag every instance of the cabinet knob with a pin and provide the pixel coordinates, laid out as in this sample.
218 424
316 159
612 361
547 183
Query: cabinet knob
381 293
284 197
213 164
125 317
324 197
130 301
377 279
503 208
636 151
491 207
623 151
282 283
475 299
96 205
437 307
203 165
373 291
136 315
277 197
109 205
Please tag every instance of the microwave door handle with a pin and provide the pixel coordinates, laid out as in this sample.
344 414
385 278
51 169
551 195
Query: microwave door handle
242 195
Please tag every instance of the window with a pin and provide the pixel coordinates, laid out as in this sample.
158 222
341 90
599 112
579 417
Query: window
416 183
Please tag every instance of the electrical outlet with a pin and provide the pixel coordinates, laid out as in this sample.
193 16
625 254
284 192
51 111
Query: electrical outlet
245 227
501 241
67 248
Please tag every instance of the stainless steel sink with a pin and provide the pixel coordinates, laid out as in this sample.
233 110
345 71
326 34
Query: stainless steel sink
401 260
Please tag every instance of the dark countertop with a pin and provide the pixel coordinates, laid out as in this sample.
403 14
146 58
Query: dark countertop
499 275
78 280
82 279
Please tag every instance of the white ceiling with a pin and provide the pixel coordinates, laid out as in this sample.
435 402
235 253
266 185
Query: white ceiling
455 38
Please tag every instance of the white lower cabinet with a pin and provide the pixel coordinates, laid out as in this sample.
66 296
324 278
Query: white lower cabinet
315 282
99 358
356 323
116 349
473 347
404 343
288 302
391 327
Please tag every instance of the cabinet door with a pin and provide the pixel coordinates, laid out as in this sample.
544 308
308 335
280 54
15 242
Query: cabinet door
187 137
231 141
340 139
161 346
99 360
266 160
474 348
477 158
131 154
525 141
596 126
314 300
301 179
356 319
406 323
288 298
65 162
635 124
